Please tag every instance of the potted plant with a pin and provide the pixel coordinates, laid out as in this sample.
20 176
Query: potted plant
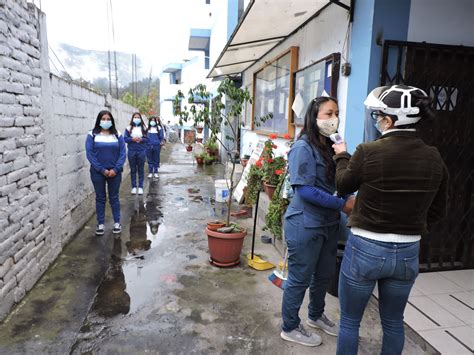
199 129
273 166
200 158
211 147
208 160
225 244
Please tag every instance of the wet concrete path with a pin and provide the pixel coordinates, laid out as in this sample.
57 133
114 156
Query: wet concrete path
159 293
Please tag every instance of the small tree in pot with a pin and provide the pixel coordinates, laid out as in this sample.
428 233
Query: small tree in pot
227 107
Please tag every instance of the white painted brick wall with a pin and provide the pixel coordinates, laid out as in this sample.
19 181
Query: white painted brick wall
45 191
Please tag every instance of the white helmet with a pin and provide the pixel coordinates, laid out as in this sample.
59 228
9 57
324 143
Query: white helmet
396 93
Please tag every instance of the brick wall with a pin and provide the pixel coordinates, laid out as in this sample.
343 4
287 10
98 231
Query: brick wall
45 191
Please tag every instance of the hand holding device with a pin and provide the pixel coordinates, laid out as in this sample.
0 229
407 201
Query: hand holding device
336 138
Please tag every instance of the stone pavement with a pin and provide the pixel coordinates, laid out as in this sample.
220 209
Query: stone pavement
154 291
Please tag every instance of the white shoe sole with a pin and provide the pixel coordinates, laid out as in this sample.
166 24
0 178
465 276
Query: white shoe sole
117 232
100 233
324 330
287 338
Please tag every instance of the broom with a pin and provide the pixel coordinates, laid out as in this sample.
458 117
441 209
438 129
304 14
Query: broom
277 277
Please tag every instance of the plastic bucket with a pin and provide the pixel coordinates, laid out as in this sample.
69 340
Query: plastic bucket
222 190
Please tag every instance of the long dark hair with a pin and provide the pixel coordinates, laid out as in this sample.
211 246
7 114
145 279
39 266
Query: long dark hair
97 128
311 130
157 120
142 124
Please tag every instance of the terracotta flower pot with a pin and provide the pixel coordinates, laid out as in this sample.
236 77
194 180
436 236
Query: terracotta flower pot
225 248
189 148
213 226
199 129
198 140
269 189
199 160
244 162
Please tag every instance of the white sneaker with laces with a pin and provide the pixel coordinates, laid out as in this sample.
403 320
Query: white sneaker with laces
134 191
140 191
301 336
150 175
156 175
325 324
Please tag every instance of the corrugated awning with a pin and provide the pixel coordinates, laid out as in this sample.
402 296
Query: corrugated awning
263 26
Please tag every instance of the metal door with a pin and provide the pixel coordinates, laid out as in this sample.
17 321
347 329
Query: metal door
446 73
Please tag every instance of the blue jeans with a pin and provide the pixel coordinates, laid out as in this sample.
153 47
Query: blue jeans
311 263
394 266
136 159
113 185
153 157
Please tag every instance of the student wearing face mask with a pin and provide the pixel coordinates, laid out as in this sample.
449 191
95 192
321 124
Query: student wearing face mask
403 190
105 150
156 139
136 138
311 224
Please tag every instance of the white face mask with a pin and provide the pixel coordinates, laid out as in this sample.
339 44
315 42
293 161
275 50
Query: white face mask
327 126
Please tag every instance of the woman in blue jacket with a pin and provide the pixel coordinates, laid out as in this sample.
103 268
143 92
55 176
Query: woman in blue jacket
105 149
156 137
136 138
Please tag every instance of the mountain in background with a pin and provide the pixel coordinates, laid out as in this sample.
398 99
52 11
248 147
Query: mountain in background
91 65
91 69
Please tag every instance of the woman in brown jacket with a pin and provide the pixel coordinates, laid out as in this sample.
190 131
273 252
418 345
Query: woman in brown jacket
402 189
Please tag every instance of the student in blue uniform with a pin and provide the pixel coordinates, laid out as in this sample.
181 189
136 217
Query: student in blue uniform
136 138
156 138
105 149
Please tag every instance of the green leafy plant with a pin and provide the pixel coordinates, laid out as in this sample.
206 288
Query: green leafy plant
276 209
227 108
208 159
254 183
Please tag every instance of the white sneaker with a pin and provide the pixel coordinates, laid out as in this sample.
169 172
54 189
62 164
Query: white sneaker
156 175
140 191
117 228
134 191
150 175
99 230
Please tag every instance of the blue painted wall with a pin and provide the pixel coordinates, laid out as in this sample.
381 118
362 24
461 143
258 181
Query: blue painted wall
374 22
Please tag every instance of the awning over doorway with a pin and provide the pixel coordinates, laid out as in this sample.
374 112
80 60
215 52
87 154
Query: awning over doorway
264 25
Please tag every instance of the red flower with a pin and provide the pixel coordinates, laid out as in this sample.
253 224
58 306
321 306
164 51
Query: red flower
274 146
273 136
258 163
286 136
269 160
279 171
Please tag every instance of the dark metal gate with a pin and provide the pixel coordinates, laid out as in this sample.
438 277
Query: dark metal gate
446 73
